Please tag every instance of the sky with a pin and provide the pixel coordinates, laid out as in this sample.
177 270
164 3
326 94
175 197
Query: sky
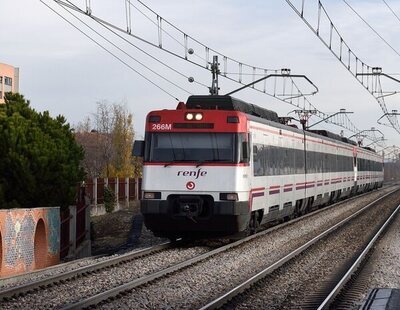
64 72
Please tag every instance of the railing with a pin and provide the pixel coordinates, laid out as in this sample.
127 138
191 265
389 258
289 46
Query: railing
91 193
65 233
125 189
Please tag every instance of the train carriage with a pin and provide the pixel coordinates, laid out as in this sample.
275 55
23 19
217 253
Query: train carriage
217 166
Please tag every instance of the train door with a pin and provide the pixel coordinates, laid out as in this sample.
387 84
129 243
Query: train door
355 159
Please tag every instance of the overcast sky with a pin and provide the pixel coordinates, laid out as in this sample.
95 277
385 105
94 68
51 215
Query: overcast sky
62 71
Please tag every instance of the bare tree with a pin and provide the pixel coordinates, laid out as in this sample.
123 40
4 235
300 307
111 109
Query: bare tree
88 138
108 146
105 121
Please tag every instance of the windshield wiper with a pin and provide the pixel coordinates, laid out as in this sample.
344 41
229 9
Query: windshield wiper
201 162
197 163
176 161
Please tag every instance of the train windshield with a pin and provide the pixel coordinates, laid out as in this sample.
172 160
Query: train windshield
192 147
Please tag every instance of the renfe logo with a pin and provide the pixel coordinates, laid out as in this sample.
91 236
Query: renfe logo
190 185
192 173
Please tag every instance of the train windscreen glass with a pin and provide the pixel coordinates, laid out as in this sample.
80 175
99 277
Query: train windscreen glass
197 147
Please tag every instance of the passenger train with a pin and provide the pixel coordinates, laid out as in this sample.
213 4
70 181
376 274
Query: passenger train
217 166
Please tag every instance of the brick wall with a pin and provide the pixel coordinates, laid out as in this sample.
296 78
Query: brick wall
29 239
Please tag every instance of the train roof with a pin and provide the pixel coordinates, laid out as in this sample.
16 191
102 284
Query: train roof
332 135
216 102
228 103
369 149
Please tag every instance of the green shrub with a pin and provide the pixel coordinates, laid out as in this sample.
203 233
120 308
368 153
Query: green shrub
39 158
109 199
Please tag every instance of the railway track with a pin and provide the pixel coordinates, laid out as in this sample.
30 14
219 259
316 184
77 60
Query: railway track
22 289
149 277
327 284
330 299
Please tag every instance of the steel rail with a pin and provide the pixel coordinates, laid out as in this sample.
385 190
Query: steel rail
24 288
336 290
114 292
220 301
52 280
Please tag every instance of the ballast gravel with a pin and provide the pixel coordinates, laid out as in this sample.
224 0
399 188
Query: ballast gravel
147 240
297 283
382 269
385 259
105 279
196 285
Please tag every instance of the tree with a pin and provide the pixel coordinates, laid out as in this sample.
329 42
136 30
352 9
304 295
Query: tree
40 160
108 147
122 141
93 144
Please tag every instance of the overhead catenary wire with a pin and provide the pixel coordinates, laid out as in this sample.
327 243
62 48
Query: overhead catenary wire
74 7
157 24
110 52
390 8
372 28
139 48
225 58
342 51
205 61
195 40
108 26
123 51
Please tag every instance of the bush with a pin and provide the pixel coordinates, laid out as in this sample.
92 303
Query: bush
109 199
39 158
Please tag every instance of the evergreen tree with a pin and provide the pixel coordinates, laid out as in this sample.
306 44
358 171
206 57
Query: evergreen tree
39 158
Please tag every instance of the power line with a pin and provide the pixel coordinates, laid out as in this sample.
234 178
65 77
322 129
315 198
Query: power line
108 26
127 54
135 46
394 13
184 52
108 51
372 28
71 6
334 41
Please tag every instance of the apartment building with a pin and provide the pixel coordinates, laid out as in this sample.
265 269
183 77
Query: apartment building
9 80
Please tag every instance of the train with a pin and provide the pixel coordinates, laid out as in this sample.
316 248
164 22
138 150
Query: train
219 166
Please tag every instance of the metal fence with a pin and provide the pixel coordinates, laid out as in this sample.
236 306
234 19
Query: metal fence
125 189
91 193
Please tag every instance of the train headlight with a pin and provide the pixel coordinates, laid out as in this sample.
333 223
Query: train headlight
229 196
152 195
194 116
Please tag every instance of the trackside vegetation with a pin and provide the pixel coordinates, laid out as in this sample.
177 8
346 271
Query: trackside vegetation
39 158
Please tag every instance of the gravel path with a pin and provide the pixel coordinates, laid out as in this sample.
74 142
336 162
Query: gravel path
312 272
194 286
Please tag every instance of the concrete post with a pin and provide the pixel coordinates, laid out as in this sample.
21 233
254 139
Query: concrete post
95 192
127 192
72 231
136 188
87 229
116 191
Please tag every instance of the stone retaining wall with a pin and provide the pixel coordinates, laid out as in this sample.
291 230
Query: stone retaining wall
29 239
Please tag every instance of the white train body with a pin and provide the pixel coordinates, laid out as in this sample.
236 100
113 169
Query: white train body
226 170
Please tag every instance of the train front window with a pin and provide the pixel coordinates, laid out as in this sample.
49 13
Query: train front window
192 147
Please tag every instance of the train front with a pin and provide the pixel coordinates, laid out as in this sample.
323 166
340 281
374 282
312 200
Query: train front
195 173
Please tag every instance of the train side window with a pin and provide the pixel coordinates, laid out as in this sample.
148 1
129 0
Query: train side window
258 169
244 148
